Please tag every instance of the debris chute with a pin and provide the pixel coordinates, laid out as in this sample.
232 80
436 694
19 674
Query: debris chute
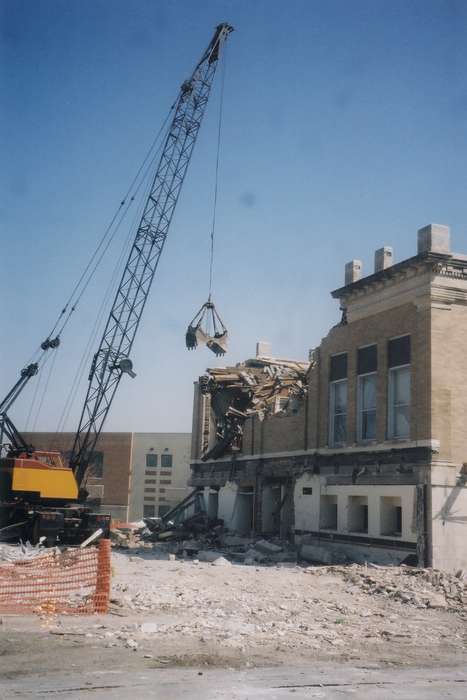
207 328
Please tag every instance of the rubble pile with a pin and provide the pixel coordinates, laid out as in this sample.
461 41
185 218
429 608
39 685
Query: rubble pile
22 552
167 541
423 588
257 387
205 605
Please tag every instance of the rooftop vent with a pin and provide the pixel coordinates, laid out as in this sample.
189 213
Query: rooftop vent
353 271
263 349
384 257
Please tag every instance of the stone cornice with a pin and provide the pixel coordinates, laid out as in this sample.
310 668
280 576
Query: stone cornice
439 264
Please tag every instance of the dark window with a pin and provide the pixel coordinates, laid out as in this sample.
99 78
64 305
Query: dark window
166 460
166 473
149 490
150 472
96 465
338 367
148 511
163 510
149 481
398 518
364 518
165 481
367 360
399 351
307 490
161 490
151 460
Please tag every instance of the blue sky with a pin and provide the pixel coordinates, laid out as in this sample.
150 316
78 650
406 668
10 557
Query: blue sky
344 130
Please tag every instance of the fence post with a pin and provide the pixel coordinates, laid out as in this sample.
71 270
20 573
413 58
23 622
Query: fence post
102 595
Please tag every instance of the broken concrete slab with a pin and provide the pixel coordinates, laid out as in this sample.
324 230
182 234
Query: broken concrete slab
150 628
221 561
209 555
229 540
266 547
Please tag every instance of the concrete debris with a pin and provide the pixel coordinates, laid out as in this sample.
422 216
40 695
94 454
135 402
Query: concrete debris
221 561
265 612
257 387
209 555
267 547
23 551
422 588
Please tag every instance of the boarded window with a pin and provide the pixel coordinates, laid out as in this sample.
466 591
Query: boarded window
399 351
96 465
338 367
367 360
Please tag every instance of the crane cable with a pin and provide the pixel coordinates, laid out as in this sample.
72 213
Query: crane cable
216 177
87 281
99 252
84 280
111 288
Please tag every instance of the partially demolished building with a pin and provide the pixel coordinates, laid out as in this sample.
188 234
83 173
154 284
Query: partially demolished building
357 454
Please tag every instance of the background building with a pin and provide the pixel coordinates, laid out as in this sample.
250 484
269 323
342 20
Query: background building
132 473
110 481
371 462
161 470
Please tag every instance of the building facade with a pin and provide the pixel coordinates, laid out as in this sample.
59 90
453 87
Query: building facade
370 465
132 474
161 471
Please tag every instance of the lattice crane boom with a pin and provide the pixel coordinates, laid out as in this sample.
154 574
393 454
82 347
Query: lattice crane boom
112 359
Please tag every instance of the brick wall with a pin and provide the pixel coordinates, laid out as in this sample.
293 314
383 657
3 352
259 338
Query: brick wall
116 448
377 329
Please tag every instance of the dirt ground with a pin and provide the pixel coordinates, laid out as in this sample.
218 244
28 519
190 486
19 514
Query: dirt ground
184 613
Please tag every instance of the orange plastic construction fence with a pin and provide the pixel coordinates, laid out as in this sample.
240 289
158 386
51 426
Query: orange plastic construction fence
72 581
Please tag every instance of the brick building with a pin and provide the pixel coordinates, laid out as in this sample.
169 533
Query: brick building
110 476
370 464
132 474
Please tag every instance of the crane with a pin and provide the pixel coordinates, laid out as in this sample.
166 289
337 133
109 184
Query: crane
36 487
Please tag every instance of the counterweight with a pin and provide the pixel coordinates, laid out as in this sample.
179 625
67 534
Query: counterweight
111 360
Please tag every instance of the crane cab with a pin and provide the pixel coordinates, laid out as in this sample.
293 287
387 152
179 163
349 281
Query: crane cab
37 476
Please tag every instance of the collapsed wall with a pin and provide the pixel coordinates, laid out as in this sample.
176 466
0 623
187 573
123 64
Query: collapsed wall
259 387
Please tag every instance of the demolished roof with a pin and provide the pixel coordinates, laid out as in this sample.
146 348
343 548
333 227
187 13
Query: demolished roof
258 387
